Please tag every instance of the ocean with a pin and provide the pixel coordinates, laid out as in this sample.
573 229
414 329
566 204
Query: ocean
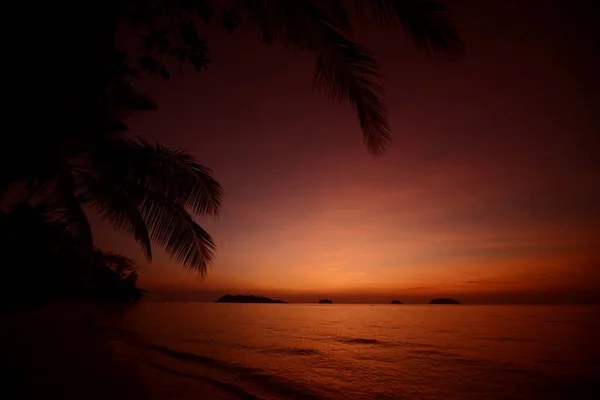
331 351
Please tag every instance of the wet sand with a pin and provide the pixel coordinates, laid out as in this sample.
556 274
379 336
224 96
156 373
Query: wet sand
57 352
73 351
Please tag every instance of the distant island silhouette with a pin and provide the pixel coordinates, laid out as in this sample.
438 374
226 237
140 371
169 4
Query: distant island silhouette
396 302
444 301
325 301
246 298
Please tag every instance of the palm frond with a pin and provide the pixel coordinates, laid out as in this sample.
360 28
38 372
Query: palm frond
339 14
344 69
173 228
114 207
160 184
171 173
426 22
61 206
345 74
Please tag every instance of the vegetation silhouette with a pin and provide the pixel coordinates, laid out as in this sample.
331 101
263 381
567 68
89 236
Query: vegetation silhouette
114 278
83 157
395 302
45 262
444 301
325 301
130 184
241 298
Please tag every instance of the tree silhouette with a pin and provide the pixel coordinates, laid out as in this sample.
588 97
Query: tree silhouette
114 277
344 69
84 90
43 261
142 189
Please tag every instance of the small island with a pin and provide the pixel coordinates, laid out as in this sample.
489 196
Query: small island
444 301
325 301
396 302
246 298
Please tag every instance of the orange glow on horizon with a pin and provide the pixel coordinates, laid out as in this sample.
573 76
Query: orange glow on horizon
490 185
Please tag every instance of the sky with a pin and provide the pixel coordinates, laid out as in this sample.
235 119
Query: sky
489 192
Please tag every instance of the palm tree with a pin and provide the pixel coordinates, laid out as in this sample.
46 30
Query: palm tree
344 69
143 189
148 190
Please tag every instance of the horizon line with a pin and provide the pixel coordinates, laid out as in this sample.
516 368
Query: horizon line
388 304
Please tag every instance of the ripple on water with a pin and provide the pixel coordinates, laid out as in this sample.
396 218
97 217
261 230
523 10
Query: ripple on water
256 377
294 351
359 341
504 339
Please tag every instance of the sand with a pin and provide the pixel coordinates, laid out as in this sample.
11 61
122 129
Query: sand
58 352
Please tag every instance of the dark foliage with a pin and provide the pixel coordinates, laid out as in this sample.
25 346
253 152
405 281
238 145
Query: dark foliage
84 91
42 261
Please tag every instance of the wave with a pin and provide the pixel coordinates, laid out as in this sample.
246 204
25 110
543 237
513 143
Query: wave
295 351
352 340
191 357
224 386
265 381
505 339
443 331
359 341
428 352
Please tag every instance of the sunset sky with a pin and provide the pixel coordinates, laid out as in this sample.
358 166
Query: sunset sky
489 192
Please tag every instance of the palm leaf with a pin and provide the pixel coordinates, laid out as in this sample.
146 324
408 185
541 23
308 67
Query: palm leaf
61 206
426 22
161 183
344 69
336 10
114 207
173 228
171 173
345 74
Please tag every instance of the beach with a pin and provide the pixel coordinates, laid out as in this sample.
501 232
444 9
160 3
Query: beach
58 352
302 351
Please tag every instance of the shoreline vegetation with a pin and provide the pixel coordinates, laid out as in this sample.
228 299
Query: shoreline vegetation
56 291
49 265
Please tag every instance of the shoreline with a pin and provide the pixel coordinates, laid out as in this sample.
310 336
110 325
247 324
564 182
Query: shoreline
59 351
77 350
